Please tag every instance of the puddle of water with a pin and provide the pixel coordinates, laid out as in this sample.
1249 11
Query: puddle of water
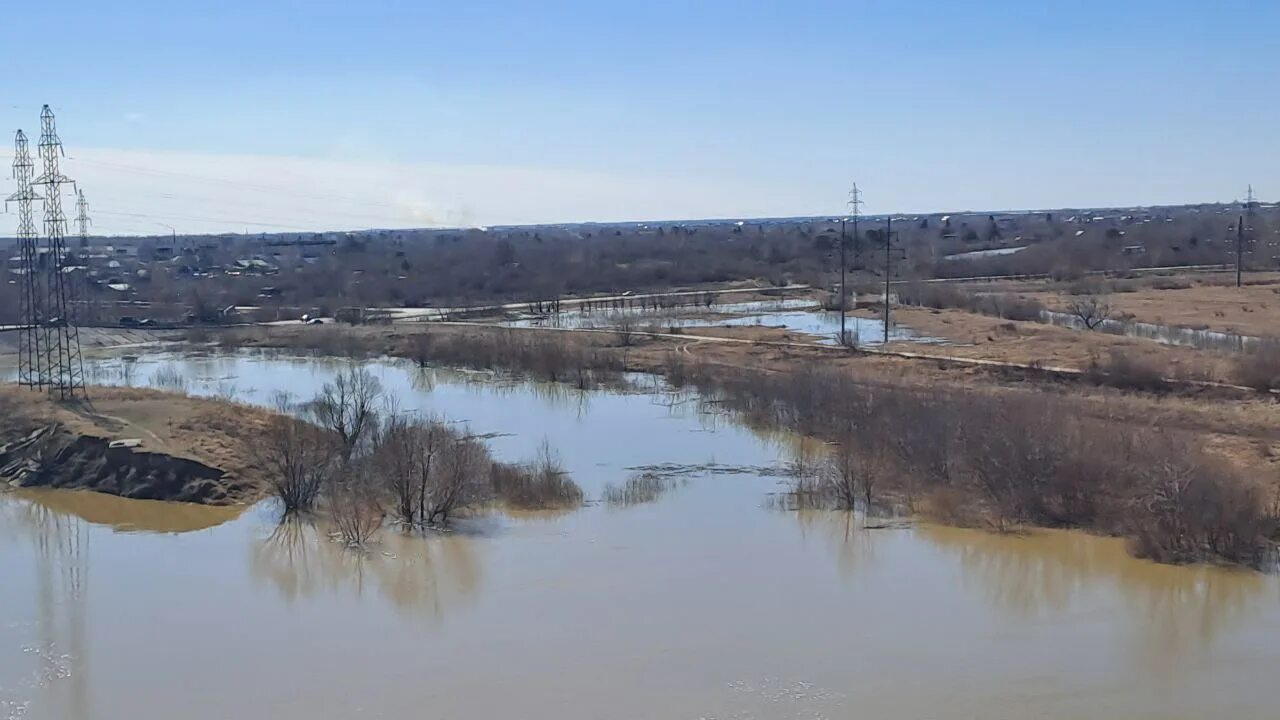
699 604
1164 334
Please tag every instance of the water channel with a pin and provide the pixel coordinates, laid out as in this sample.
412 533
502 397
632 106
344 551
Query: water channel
704 603
1201 339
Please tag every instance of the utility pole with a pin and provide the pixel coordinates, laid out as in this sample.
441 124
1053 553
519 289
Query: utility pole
855 204
888 270
843 337
80 283
1239 247
31 368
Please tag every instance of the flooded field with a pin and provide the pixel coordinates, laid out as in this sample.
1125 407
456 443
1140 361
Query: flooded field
685 598
798 315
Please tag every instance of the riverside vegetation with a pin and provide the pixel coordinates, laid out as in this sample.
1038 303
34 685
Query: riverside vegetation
350 457
964 455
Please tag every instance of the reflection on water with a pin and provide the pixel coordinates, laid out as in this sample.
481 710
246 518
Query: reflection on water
795 315
125 515
417 575
50 637
701 603
1044 571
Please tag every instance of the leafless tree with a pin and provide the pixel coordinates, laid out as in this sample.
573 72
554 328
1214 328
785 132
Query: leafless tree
459 481
300 458
356 513
853 473
404 457
1091 310
422 345
626 323
348 407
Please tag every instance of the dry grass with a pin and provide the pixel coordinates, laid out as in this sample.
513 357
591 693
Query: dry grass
542 484
1193 302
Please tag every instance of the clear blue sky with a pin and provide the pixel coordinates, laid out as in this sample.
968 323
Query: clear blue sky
598 110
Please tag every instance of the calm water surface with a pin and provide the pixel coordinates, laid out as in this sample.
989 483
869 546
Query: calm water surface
800 315
703 604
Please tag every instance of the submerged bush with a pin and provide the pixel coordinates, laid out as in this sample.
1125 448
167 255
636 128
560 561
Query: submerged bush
542 484
1004 460
1258 366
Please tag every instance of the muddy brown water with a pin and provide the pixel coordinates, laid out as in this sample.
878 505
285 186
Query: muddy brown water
703 603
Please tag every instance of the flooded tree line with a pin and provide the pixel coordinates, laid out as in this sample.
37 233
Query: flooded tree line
350 457
1004 460
965 456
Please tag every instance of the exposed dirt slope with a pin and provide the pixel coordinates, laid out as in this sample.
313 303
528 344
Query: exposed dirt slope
190 449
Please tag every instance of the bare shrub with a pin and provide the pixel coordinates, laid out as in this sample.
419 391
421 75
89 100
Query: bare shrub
1012 307
944 297
1128 371
1184 511
542 484
348 407
626 324
1091 310
557 357
853 473
355 512
1163 283
420 348
673 368
300 459
403 455
1258 366
169 377
458 483
1002 460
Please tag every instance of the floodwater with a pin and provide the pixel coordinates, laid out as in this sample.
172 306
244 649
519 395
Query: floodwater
1200 339
799 315
702 603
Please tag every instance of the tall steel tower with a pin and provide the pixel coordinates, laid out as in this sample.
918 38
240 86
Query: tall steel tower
31 368
80 309
61 338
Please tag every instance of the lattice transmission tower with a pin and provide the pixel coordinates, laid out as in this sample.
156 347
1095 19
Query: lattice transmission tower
80 308
31 368
61 338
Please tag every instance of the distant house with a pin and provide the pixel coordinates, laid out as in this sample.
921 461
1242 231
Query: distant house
252 266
